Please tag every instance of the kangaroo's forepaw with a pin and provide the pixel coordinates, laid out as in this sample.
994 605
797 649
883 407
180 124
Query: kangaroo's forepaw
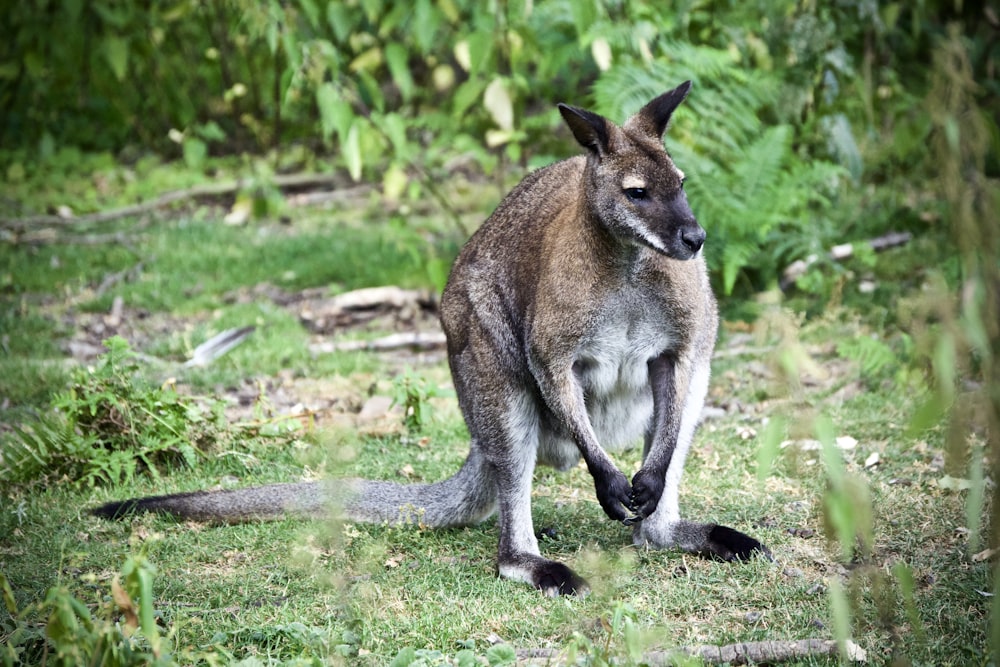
647 487
614 494
728 544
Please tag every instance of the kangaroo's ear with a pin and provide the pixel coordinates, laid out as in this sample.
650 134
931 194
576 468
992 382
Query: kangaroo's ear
653 118
590 129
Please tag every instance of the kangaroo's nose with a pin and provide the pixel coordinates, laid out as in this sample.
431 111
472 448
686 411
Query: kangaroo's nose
693 238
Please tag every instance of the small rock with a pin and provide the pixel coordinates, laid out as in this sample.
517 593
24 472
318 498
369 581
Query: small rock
804 533
548 533
374 408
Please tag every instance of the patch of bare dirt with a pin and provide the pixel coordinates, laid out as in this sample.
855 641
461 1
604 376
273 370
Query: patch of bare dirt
400 325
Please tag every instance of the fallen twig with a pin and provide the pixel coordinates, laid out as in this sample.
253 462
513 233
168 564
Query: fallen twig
797 269
350 308
743 653
412 339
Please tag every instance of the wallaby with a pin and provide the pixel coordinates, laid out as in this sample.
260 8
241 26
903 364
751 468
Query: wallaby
579 315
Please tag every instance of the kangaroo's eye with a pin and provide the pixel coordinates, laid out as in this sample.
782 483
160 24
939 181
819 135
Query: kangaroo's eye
636 194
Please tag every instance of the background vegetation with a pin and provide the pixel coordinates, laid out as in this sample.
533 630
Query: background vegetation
810 125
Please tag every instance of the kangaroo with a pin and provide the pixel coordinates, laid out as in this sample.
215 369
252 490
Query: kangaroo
578 316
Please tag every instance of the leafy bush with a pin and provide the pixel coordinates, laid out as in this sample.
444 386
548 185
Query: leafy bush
110 425
796 103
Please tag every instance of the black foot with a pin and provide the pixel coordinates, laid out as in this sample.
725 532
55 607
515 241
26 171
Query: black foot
554 579
729 545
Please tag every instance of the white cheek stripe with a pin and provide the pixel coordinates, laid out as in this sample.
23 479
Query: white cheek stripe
641 230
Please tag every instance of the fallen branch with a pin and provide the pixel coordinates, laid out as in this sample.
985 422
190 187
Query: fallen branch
413 340
743 653
325 315
206 191
798 268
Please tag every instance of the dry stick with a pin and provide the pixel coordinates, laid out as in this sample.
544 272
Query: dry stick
797 269
196 192
414 339
743 653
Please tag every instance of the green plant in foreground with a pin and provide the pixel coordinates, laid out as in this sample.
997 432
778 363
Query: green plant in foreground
62 630
107 427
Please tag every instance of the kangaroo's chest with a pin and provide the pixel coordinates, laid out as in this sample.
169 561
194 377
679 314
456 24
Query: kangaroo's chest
614 356
612 367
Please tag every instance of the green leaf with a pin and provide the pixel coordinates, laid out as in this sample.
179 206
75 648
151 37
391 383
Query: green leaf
480 46
394 182
368 60
116 53
498 103
584 15
466 95
426 21
195 152
351 149
394 127
338 16
8 595
397 58
311 12
904 577
501 654
335 113
210 131
840 611
404 658
770 445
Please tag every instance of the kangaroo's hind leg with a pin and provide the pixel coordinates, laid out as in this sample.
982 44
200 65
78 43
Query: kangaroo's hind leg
513 456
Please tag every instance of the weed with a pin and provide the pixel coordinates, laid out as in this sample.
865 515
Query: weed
110 425
62 630
413 392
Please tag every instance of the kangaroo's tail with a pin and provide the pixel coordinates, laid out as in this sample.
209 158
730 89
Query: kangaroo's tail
465 498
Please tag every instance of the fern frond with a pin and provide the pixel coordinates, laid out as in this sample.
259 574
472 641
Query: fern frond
759 172
871 354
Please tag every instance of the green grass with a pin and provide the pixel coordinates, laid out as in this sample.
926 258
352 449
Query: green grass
319 590
241 589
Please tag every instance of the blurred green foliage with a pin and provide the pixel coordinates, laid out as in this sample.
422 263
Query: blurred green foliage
807 127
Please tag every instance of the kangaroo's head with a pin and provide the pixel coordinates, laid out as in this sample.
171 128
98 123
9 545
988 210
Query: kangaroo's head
632 185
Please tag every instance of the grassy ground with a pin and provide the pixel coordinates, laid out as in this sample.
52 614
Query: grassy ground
318 591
